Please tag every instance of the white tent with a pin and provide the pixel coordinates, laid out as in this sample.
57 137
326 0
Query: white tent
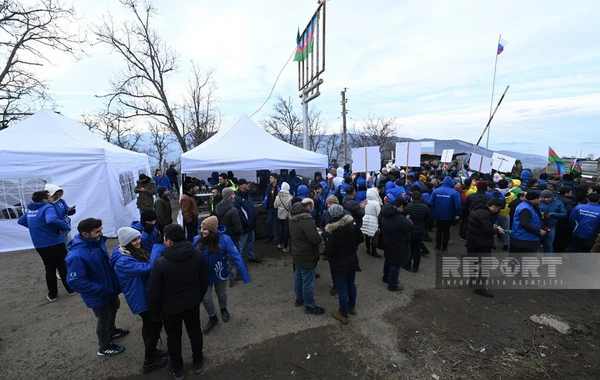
96 176
243 148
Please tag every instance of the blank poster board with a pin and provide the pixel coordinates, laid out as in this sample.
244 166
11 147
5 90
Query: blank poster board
366 159
447 155
502 163
480 164
408 154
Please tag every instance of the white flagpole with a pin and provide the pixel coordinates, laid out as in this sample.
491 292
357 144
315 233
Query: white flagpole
492 100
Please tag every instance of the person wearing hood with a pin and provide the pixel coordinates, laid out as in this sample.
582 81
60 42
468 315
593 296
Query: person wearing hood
177 285
161 180
516 169
90 274
383 176
370 223
145 189
445 203
47 230
341 245
283 203
150 230
480 238
514 186
305 238
525 178
62 208
585 220
318 178
497 177
356 209
162 206
552 211
229 216
243 202
219 251
361 194
394 191
420 215
268 203
302 192
395 231
133 264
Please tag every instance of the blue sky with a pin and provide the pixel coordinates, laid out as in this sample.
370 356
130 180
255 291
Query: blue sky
429 64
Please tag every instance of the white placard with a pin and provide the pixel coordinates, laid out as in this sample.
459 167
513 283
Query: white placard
408 154
366 159
447 155
427 147
481 164
502 163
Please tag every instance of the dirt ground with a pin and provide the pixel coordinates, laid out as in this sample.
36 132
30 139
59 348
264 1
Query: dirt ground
419 333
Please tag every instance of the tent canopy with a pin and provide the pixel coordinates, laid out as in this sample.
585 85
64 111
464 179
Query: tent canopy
96 176
243 148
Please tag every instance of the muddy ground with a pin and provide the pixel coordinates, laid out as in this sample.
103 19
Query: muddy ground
420 333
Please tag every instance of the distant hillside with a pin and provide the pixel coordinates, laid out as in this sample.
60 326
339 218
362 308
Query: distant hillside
529 160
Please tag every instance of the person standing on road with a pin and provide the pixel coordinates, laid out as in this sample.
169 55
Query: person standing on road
306 238
145 188
229 217
480 238
283 203
47 234
91 275
162 206
219 251
189 211
173 176
62 208
421 216
161 181
132 264
395 230
370 221
269 204
445 203
341 245
552 211
177 285
243 202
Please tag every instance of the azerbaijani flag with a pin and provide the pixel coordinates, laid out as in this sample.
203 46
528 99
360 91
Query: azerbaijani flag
556 160
305 43
576 167
463 173
501 44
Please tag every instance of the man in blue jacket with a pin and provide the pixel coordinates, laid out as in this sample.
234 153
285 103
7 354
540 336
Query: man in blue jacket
161 180
445 203
585 218
243 202
552 211
46 230
91 275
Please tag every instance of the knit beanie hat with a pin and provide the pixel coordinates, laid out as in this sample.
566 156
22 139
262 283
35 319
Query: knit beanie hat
332 199
285 187
336 211
148 215
532 195
126 235
547 194
210 224
227 192
161 190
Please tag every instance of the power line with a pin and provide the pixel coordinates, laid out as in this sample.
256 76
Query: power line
276 80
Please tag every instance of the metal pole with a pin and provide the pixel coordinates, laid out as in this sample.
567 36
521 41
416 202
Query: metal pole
344 127
492 100
305 122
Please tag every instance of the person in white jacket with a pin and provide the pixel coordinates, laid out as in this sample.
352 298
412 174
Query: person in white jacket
283 203
370 223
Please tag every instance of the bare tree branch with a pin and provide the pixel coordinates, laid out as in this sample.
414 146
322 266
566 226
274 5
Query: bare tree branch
375 131
200 118
333 146
114 129
28 33
161 139
316 130
283 123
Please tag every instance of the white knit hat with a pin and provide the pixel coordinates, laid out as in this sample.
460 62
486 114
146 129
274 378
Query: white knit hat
52 189
285 187
126 235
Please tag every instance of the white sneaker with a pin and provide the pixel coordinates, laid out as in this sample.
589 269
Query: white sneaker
50 299
286 250
57 274
279 246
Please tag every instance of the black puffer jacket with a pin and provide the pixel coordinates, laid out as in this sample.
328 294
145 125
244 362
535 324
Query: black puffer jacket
480 226
343 238
420 214
178 280
304 237
395 230
229 217
354 208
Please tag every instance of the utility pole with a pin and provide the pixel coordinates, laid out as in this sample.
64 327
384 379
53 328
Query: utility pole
344 129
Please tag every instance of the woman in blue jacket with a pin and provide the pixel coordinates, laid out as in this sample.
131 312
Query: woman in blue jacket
132 264
217 247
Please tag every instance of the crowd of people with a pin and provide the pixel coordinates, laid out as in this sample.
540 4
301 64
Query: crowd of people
165 270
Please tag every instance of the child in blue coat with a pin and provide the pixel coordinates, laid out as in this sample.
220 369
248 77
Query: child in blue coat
217 247
132 264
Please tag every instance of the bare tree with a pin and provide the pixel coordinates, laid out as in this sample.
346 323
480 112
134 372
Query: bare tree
334 146
29 32
316 131
283 122
141 89
160 140
200 116
114 129
375 131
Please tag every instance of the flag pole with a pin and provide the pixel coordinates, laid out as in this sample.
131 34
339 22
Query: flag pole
492 99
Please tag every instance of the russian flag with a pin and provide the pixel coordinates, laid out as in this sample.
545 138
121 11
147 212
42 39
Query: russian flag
501 44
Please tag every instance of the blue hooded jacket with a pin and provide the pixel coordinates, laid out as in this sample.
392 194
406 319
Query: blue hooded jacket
218 262
164 181
148 239
89 272
302 191
133 277
243 202
445 202
585 219
394 191
525 177
44 224
556 209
